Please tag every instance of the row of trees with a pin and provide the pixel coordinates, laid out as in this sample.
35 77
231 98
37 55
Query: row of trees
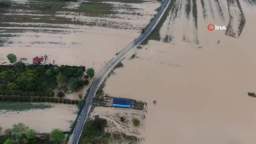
21 134
37 99
42 80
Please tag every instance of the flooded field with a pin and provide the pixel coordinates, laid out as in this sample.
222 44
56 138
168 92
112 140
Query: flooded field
43 120
188 19
82 31
58 19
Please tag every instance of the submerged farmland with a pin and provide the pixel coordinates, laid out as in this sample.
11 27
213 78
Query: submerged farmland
45 23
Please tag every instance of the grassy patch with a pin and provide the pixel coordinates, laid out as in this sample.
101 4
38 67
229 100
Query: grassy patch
96 8
38 19
16 106
122 1
5 3
47 6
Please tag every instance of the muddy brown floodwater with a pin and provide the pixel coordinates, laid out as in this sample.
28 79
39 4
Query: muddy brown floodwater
59 116
201 89
67 36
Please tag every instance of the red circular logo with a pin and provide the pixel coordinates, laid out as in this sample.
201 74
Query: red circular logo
211 27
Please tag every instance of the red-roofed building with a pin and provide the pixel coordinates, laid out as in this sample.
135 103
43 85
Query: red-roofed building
38 60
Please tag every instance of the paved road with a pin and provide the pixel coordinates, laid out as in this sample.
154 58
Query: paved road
103 74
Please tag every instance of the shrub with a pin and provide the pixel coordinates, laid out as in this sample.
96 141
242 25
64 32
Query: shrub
95 132
30 136
18 131
8 141
20 134
90 72
136 122
96 127
76 84
86 82
60 94
57 136
12 58
122 119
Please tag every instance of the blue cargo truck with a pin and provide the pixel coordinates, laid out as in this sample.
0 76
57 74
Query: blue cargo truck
123 103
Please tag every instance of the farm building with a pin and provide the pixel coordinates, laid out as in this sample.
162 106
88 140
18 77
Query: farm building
123 103
38 60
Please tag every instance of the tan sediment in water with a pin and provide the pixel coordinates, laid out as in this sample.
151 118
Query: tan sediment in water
74 44
59 116
201 93
96 46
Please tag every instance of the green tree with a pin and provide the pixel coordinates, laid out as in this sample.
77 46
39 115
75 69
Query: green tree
12 58
95 133
96 127
8 75
27 80
90 72
12 86
8 141
1 130
52 72
61 80
21 134
57 136
76 84
30 136
18 131
136 122
69 71
19 67
60 94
